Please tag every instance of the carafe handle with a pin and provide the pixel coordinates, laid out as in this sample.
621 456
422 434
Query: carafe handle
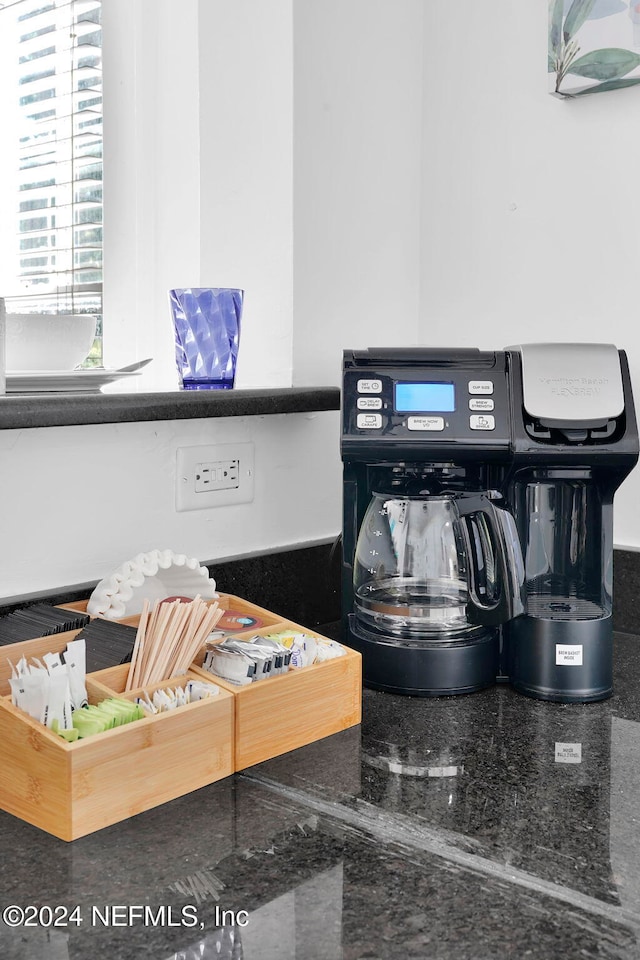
508 558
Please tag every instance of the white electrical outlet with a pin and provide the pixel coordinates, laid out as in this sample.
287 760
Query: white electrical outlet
214 476
218 475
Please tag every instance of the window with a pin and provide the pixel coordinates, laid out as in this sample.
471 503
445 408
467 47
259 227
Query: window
51 161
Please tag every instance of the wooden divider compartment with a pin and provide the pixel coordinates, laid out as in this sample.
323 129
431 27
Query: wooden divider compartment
292 709
113 680
72 789
228 602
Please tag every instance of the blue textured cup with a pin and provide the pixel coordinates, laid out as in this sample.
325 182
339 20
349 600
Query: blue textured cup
206 322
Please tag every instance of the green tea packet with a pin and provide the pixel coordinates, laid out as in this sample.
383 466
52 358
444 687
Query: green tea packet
106 715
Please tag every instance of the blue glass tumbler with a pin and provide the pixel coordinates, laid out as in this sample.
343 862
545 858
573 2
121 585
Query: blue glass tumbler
206 322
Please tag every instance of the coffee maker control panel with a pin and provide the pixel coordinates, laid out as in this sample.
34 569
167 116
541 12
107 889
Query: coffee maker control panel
427 405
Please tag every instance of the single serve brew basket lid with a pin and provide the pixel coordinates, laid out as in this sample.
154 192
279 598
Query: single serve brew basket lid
571 384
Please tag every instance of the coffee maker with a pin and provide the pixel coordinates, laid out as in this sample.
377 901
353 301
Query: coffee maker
574 440
477 527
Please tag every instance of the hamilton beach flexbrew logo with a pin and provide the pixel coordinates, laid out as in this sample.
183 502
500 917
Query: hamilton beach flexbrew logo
574 386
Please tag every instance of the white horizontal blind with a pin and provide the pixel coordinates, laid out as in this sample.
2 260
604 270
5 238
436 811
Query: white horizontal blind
52 91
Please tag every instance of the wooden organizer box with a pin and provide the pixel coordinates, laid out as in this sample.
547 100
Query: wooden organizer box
72 789
292 709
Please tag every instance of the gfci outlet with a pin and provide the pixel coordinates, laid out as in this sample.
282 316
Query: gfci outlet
214 476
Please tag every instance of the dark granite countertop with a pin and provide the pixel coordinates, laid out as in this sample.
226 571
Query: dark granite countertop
475 827
69 409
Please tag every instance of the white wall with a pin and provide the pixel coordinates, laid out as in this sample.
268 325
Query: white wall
79 501
357 179
246 174
530 210
529 207
151 178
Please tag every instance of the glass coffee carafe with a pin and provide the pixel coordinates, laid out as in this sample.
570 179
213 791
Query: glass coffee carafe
433 568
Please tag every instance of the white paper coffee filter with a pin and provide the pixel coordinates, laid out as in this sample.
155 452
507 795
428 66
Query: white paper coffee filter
152 576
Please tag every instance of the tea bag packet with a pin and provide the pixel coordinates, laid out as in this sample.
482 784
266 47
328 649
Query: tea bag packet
310 648
261 655
306 649
164 700
281 656
43 690
106 715
71 734
328 650
146 703
286 640
87 723
21 667
232 665
30 692
52 662
200 690
107 643
19 696
58 705
75 660
302 646
181 696
39 620
297 655
264 663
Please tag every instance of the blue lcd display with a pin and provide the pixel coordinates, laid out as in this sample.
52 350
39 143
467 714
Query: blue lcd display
425 398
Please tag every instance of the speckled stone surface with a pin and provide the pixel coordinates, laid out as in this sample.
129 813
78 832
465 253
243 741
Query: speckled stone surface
474 827
626 594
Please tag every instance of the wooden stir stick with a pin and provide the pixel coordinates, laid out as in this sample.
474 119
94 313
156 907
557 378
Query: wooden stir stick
135 658
168 638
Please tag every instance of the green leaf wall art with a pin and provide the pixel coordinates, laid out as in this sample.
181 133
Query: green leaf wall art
594 46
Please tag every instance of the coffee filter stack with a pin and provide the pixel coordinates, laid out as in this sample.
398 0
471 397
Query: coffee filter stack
151 576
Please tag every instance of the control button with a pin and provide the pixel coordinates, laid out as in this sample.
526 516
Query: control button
480 422
371 403
369 421
481 386
425 423
481 403
369 386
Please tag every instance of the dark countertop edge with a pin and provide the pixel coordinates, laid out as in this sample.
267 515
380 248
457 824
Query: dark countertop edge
72 409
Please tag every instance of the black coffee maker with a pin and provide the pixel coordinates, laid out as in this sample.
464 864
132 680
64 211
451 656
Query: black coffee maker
477 532
574 440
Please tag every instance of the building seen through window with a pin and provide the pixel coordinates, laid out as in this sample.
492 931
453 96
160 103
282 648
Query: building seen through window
51 158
